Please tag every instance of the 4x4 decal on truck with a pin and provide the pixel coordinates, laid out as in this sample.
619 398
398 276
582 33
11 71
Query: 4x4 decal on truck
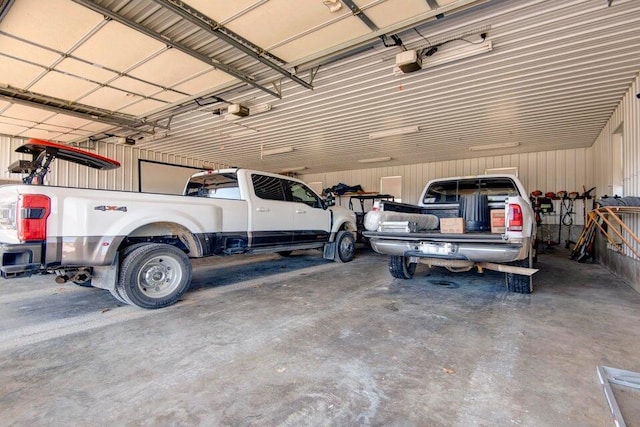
104 208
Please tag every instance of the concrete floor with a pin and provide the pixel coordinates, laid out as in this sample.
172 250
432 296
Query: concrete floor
262 341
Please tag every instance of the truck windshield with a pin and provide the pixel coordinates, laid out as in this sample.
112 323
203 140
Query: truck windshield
217 185
450 191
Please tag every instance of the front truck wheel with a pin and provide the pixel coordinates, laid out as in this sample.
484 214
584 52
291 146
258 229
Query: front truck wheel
400 267
520 283
154 275
345 246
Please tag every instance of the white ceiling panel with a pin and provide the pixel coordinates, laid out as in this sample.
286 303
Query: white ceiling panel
388 13
168 96
335 34
295 17
28 52
132 85
143 107
169 68
67 121
18 122
80 68
26 113
62 86
204 82
109 98
8 129
69 137
17 73
118 47
48 22
94 128
38 133
221 10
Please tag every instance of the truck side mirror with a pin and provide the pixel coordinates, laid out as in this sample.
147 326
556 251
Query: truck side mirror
328 201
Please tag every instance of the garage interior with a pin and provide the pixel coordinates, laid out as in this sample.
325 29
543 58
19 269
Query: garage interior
312 89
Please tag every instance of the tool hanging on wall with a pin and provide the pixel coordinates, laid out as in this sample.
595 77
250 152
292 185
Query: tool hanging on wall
569 205
542 206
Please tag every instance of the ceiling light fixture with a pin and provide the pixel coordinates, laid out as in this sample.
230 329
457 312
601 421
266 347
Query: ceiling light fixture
392 132
273 151
494 146
375 160
444 54
293 169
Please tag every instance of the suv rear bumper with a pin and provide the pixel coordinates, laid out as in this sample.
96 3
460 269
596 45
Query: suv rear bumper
20 259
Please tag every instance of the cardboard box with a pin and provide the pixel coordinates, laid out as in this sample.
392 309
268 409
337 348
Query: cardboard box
452 225
497 221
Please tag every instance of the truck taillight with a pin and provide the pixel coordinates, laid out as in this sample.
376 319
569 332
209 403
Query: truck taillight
33 210
515 218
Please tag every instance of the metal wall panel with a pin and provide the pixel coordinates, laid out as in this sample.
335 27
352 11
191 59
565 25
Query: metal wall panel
546 171
625 120
71 175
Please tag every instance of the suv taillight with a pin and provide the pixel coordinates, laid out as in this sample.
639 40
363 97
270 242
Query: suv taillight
33 210
515 218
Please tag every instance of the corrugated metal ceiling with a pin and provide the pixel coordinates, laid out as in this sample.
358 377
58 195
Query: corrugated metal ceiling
554 74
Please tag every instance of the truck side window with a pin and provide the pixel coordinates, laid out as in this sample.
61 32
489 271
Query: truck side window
300 193
215 186
268 187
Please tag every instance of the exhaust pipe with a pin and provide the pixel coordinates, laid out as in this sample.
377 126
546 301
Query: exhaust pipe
62 278
81 276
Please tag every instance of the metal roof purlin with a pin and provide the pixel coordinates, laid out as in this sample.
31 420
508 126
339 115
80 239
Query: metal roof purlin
357 12
159 37
205 23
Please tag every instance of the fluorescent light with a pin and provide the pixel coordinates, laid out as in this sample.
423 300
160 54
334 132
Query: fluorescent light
375 160
273 151
257 109
243 132
493 146
293 169
392 132
444 55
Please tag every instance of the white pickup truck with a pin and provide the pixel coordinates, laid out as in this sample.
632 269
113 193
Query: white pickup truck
412 234
138 245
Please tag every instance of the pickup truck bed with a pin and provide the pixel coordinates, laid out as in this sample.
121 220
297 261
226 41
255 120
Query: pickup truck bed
472 199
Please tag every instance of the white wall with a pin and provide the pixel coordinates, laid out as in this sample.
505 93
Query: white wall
567 170
71 175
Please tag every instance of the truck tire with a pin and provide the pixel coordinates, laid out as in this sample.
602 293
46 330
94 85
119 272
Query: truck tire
154 275
400 267
114 293
123 254
345 246
519 283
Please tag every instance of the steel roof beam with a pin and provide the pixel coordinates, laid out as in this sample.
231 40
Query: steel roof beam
358 13
57 105
5 5
165 40
218 30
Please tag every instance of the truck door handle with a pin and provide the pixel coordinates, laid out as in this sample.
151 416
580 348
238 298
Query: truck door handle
300 211
262 209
